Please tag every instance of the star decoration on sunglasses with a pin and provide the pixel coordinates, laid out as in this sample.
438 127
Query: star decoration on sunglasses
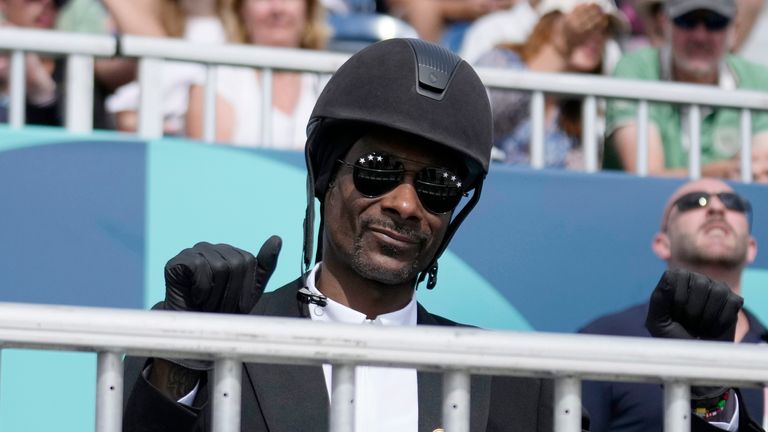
376 173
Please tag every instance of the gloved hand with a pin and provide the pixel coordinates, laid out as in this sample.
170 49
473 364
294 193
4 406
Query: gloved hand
218 278
688 305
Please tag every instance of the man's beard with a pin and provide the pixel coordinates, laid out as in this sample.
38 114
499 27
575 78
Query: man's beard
364 267
688 252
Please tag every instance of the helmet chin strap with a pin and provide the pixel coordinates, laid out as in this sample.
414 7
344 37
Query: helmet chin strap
431 271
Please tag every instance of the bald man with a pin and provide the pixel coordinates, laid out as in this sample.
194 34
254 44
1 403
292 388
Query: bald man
705 228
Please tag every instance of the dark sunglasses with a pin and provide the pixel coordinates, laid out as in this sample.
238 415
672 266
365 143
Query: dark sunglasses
711 21
697 200
374 174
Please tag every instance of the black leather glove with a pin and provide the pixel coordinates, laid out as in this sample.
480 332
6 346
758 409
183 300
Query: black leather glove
218 278
688 305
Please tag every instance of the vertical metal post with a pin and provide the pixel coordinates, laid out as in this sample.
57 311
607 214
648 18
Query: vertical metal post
456 401
79 102
746 145
109 392
266 108
342 398
227 391
18 101
209 104
151 98
641 164
694 132
589 133
677 407
568 405
537 129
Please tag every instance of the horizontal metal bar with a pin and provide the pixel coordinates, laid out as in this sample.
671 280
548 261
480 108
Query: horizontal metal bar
56 42
611 87
233 54
296 341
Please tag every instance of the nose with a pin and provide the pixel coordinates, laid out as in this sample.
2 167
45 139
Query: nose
715 205
403 201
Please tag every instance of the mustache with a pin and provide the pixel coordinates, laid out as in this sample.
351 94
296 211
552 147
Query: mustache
401 229
717 220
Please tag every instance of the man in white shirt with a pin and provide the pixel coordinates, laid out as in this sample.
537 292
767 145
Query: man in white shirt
401 133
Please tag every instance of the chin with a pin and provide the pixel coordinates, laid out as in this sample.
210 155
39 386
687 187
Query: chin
384 269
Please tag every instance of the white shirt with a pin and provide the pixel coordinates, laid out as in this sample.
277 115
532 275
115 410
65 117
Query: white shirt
177 78
241 88
386 399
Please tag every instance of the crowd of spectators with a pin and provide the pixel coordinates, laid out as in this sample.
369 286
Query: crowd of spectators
677 40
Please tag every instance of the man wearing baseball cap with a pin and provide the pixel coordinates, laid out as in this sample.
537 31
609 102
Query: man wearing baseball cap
698 36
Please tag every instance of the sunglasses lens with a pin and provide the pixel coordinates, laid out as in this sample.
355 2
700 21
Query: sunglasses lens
712 21
439 190
731 201
375 174
716 22
692 201
376 182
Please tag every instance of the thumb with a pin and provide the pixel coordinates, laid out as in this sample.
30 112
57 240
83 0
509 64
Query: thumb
266 262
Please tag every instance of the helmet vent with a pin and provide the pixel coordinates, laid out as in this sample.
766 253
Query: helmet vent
436 66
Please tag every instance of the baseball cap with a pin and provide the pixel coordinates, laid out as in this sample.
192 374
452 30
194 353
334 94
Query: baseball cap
620 20
676 8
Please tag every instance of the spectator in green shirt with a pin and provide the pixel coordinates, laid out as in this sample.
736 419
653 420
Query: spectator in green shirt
698 36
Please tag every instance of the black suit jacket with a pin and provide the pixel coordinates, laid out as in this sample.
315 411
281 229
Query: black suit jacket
287 398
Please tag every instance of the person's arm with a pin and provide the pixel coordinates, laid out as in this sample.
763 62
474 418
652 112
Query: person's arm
624 140
225 116
690 306
173 380
747 13
193 282
140 17
471 9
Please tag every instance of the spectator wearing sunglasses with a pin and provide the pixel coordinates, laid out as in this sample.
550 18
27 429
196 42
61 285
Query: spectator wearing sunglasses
698 36
393 147
705 228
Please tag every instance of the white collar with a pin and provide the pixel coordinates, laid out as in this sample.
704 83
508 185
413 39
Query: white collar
339 313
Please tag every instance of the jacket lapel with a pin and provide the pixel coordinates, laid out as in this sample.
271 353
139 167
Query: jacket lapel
297 395
431 390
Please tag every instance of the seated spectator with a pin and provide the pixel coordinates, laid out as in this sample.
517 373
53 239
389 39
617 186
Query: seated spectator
696 52
570 36
202 21
276 23
705 228
44 75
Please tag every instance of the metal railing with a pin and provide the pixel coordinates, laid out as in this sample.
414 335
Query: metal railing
152 52
458 353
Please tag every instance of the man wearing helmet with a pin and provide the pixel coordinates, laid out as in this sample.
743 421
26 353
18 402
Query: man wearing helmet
399 136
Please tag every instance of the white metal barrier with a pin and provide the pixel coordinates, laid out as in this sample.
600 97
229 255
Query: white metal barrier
456 352
153 51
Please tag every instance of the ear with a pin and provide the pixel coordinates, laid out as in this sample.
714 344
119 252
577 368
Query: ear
660 246
751 250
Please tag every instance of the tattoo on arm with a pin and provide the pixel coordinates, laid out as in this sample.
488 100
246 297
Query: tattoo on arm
172 380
